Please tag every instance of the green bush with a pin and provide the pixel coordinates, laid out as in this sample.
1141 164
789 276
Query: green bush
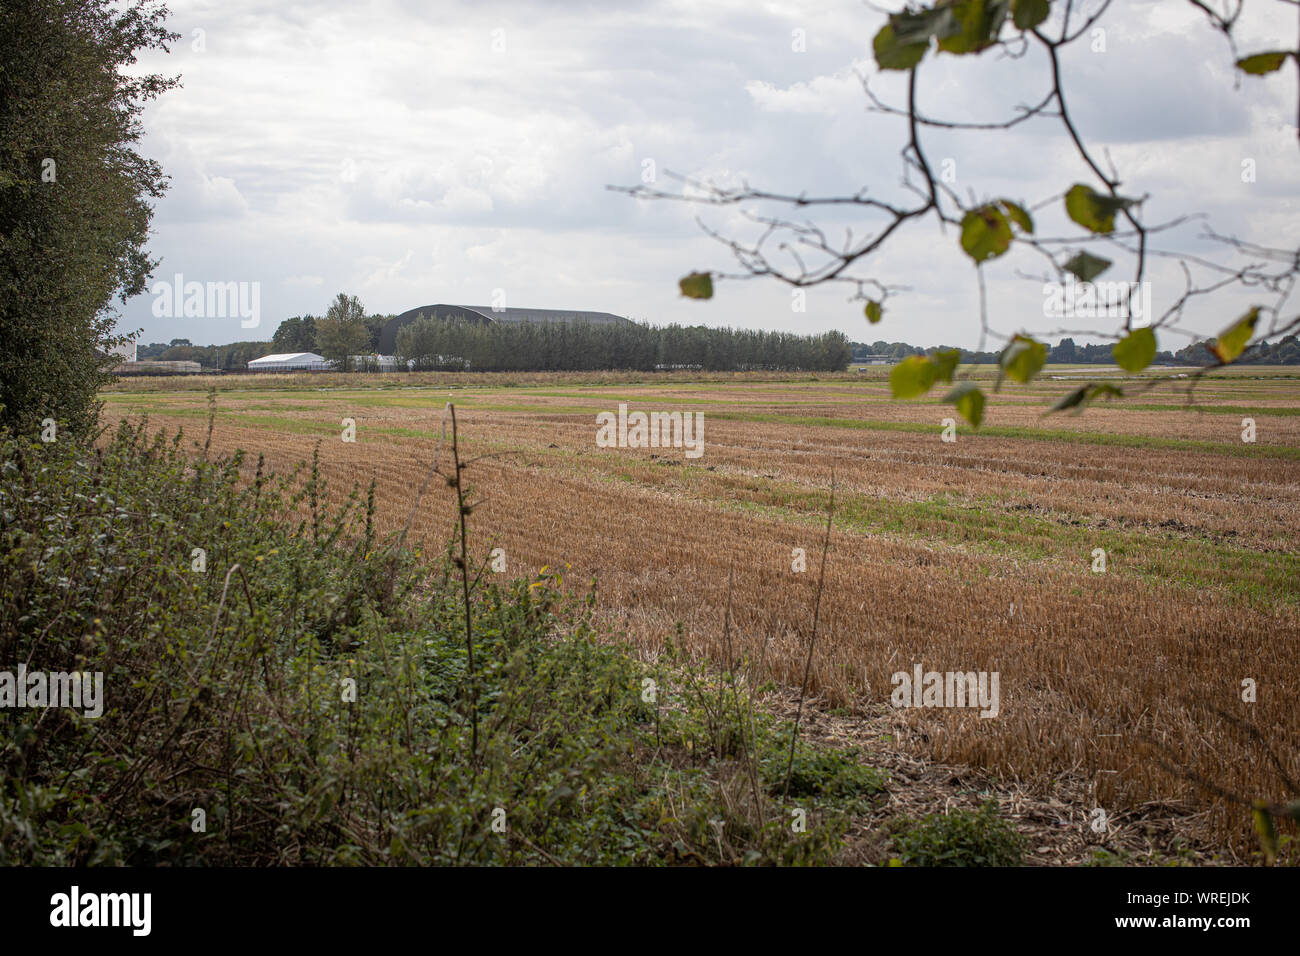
961 838
837 775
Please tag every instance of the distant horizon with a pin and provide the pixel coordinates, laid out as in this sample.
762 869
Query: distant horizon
1051 342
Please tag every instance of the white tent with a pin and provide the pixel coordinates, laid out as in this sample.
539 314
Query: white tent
291 362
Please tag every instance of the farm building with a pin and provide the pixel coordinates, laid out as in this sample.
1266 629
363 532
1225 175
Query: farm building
291 362
485 315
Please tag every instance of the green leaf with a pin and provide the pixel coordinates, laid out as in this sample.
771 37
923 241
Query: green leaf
1027 14
912 376
1087 267
1260 63
1080 398
1072 399
874 311
918 26
893 54
981 22
1135 351
985 233
1022 359
945 364
969 399
1093 210
1233 340
959 26
1018 215
697 285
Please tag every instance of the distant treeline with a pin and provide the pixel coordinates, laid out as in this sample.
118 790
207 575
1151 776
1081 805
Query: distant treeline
1285 351
438 344
358 334
232 357
442 345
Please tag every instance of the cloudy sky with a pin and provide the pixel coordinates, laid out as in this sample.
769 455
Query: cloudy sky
419 152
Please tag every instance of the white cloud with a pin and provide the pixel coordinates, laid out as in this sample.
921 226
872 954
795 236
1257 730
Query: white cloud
387 147
830 95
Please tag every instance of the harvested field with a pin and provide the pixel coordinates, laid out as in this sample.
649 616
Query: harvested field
974 555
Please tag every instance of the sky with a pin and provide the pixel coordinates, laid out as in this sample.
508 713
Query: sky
412 153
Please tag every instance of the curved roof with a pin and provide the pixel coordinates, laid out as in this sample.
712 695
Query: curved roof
485 314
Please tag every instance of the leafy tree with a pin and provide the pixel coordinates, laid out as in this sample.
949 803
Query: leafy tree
1064 352
187 353
374 328
1035 33
343 332
296 334
74 197
347 308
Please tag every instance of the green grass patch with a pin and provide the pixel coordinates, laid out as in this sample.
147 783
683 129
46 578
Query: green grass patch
1238 450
